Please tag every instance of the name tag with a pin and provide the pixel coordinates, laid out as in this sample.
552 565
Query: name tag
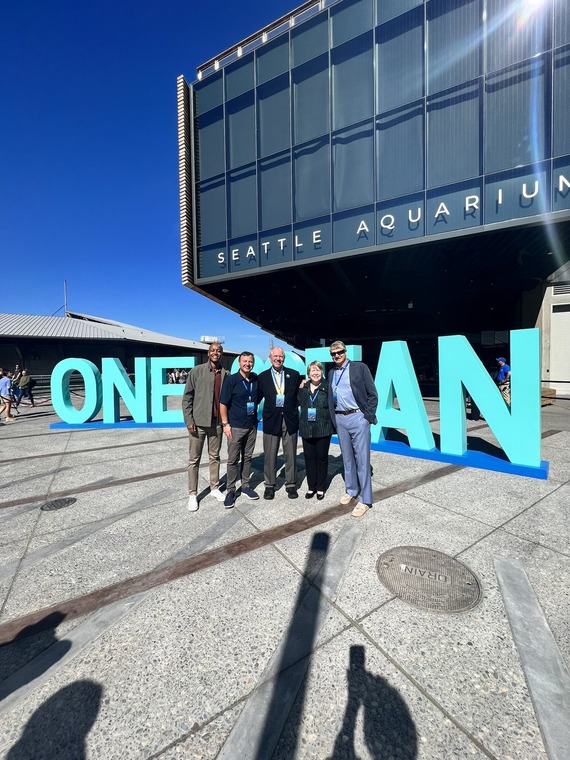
280 399
334 397
312 414
250 408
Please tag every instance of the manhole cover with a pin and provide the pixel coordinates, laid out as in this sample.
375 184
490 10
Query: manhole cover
428 579
51 506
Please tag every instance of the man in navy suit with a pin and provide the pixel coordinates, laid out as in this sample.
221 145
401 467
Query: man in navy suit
352 404
278 387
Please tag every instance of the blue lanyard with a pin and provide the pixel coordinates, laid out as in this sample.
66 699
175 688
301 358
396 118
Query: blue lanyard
315 396
341 374
250 387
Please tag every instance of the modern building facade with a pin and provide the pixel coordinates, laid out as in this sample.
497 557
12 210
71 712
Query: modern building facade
386 169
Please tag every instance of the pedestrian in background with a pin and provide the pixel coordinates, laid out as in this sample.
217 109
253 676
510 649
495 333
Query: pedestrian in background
5 398
503 379
24 388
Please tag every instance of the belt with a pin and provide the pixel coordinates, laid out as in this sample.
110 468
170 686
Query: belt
347 411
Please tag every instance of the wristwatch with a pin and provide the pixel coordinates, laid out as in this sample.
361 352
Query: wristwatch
225 424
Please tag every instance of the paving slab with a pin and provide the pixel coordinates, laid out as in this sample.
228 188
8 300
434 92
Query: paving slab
268 619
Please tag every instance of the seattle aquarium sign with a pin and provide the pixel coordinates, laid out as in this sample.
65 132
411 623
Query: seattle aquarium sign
400 405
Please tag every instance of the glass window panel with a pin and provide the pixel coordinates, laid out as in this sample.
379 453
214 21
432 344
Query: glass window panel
454 42
212 211
353 167
387 9
209 93
309 39
274 191
242 202
400 152
240 124
352 81
561 112
349 19
454 135
561 22
515 129
239 77
312 179
210 131
400 75
311 99
515 31
273 117
273 59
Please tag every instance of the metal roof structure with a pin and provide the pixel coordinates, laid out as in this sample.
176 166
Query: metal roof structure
75 326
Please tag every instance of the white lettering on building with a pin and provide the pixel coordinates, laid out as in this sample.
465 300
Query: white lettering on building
533 194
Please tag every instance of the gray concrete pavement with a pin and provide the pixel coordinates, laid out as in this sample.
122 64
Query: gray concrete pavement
131 628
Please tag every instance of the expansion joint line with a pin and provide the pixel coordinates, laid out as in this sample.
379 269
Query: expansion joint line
32 533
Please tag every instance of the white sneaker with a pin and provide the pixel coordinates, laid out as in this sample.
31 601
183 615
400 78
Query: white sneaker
192 503
217 494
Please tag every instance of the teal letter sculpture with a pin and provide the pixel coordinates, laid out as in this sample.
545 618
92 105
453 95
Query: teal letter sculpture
117 385
60 393
516 429
395 378
161 389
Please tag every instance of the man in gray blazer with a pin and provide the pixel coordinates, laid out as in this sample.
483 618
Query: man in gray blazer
201 410
352 404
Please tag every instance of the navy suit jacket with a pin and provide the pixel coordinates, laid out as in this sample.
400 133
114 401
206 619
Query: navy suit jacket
273 415
363 389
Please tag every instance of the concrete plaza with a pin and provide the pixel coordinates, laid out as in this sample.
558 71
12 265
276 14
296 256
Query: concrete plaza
131 628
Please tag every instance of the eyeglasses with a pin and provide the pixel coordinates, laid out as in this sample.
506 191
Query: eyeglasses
337 353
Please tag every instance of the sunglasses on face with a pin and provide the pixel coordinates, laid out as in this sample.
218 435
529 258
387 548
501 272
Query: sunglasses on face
337 353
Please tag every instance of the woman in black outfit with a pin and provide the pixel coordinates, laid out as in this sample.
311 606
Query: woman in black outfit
316 429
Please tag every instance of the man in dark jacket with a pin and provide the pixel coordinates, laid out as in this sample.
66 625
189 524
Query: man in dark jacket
352 404
279 386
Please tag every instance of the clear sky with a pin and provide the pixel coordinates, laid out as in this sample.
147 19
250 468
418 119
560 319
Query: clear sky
89 157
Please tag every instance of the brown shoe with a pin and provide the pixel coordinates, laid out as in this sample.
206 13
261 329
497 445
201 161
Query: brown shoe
347 498
360 510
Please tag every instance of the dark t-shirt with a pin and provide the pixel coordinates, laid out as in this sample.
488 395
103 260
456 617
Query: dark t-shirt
236 392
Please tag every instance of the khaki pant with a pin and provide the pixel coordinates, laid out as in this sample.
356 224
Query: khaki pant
505 389
196 444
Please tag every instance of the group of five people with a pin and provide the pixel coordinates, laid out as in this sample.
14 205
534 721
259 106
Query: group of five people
216 403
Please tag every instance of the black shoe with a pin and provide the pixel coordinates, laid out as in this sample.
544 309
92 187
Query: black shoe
309 494
230 499
269 493
320 495
292 492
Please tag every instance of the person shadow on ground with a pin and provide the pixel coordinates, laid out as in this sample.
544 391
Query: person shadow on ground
58 729
33 651
389 730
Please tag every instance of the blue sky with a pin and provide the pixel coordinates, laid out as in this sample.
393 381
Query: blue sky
89 157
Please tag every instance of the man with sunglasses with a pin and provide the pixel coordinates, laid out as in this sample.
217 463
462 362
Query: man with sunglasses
352 404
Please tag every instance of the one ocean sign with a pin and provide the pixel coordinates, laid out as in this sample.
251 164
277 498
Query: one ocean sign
516 429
